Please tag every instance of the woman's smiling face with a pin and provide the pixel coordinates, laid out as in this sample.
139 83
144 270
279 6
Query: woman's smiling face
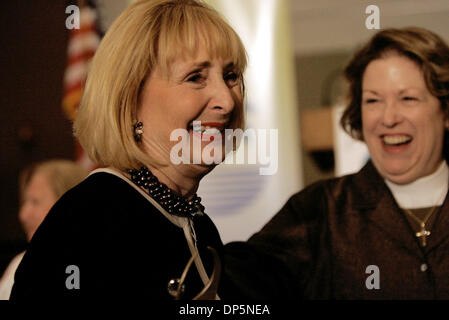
200 88
403 123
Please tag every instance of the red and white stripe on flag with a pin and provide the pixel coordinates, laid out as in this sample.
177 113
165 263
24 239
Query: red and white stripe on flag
82 44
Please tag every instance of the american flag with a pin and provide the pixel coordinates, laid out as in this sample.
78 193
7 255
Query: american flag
82 44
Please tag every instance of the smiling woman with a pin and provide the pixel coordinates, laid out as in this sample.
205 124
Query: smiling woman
403 123
393 215
132 229
207 89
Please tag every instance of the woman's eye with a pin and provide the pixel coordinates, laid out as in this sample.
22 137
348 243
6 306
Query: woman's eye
196 78
232 78
409 99
371 100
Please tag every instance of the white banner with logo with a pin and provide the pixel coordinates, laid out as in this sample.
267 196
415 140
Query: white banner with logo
241 198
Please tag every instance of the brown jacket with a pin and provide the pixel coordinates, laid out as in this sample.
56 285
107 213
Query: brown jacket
321 243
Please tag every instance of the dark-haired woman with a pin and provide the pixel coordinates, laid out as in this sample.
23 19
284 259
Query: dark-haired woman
382 233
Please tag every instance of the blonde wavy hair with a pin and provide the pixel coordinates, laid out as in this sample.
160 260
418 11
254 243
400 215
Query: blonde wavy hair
149 33
61 174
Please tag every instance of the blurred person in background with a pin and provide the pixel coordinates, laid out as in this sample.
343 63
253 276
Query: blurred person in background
40 186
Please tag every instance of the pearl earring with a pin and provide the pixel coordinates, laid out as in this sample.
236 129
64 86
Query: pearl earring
138 131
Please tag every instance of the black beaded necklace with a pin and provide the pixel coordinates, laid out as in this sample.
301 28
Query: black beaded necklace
171 202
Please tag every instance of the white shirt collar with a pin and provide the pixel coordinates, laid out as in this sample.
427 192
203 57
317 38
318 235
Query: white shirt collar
424 192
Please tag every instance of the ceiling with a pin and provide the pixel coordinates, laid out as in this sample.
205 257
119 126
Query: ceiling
339 25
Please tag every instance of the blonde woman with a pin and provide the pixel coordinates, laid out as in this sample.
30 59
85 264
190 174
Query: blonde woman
41 185
129 230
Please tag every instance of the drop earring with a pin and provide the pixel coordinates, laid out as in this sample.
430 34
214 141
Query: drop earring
138 131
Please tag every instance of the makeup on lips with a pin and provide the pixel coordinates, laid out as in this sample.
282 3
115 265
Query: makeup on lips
395 142
207 131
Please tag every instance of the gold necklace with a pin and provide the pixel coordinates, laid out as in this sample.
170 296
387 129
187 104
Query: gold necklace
423 233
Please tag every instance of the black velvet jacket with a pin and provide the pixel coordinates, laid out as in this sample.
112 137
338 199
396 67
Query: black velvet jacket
321 243
122 245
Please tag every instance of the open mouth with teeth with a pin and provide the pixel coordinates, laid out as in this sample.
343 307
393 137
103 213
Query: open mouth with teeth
396 140
207 128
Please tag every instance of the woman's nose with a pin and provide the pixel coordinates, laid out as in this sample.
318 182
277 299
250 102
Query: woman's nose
222 98
391 115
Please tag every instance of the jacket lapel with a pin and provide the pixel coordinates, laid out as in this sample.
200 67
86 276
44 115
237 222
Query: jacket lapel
440 227
375 202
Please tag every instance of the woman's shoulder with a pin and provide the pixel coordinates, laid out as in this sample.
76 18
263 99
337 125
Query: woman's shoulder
102 201
319 192
101 185
360 183
314 201
101 191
